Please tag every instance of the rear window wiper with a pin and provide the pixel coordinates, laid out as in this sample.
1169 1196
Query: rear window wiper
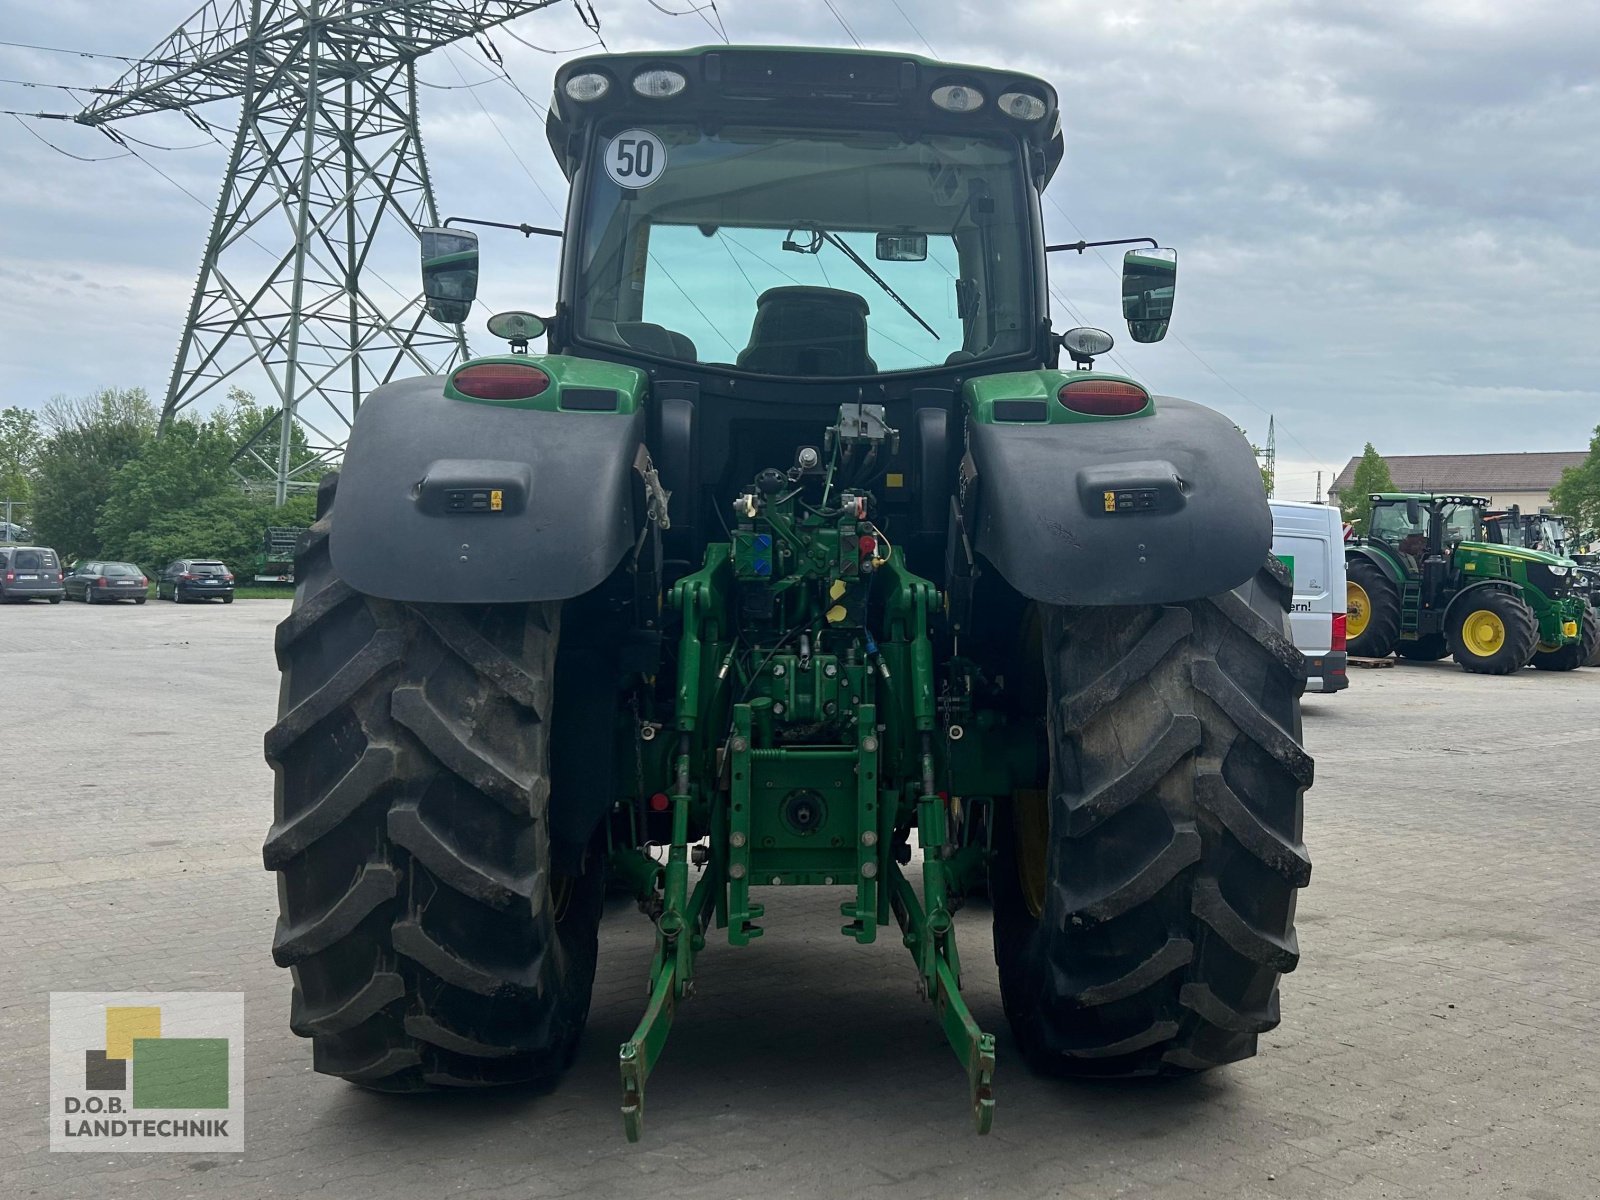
839 244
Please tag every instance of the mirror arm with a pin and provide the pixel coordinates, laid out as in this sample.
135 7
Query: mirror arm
524 230
1080 247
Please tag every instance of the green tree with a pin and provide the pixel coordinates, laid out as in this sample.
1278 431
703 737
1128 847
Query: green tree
1261 460
90 439
1372 475
1578 494
229 525
254 433
170 474
21 439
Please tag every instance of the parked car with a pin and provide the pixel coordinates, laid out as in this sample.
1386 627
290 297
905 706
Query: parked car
195 579
100 582
1309 539
30 573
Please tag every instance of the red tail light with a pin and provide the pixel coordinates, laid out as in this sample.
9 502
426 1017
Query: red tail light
60 578
500 381
1103 397
186 576
1338 631
11 576
102 582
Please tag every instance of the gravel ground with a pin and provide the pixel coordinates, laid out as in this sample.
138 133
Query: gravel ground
1439 1039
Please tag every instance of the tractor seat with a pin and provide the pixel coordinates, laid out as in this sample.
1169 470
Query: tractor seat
657 339
808 331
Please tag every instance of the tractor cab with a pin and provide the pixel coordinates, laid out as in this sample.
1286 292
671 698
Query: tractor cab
768 233
1421 534
1504 527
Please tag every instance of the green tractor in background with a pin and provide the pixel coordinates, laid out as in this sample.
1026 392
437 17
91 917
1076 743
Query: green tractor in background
797 560
1553 534
1424 582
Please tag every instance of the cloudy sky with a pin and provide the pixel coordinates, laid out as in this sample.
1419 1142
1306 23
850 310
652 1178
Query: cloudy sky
1386 213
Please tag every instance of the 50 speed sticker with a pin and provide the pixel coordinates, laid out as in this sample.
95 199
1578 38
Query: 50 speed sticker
635 158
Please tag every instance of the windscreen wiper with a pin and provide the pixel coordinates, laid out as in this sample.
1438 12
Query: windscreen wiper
838 242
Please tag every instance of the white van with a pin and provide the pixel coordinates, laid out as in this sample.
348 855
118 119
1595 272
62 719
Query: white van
1309 538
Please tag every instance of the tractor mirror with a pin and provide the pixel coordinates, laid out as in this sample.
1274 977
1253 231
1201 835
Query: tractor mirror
1413 513
449 273
1149 278
902 247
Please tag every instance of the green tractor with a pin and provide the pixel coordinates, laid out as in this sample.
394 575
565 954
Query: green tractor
797 560
1425 582
1553 534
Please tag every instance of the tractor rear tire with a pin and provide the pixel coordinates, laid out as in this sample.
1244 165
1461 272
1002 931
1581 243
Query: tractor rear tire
1380 633
1144 911
1509 635
1428 648
1574 654
429 941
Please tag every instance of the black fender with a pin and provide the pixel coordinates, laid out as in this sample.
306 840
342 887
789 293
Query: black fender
415 518
1382 561
1146 510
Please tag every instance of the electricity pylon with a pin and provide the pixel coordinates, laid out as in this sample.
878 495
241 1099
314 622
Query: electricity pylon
326 170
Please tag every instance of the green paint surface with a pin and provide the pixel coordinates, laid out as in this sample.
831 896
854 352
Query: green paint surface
982 393
565 371
180 1073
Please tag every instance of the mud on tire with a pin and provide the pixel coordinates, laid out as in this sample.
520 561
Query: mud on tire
1173 850
429 942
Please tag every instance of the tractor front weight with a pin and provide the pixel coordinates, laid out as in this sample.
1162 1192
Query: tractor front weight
809 745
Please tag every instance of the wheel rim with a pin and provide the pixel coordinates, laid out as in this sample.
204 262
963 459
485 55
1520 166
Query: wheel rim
1031 826
1484 633
1358 609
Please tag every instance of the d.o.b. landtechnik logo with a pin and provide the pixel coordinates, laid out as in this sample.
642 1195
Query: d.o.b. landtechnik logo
147 1071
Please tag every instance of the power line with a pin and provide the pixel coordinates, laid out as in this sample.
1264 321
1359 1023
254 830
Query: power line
914 28
843 23
694 10
63 87
517 37
539 187
17 117
79 53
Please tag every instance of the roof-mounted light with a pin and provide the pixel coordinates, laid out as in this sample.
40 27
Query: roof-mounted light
591 85
1021 105
658 83
957 98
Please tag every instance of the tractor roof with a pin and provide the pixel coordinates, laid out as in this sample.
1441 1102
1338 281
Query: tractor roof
1430 497
802 86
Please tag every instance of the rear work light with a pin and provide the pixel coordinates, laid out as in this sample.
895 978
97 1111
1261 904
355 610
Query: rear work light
591 85
1103 397
1022 106
957 98
1338 631
500 381
659 83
